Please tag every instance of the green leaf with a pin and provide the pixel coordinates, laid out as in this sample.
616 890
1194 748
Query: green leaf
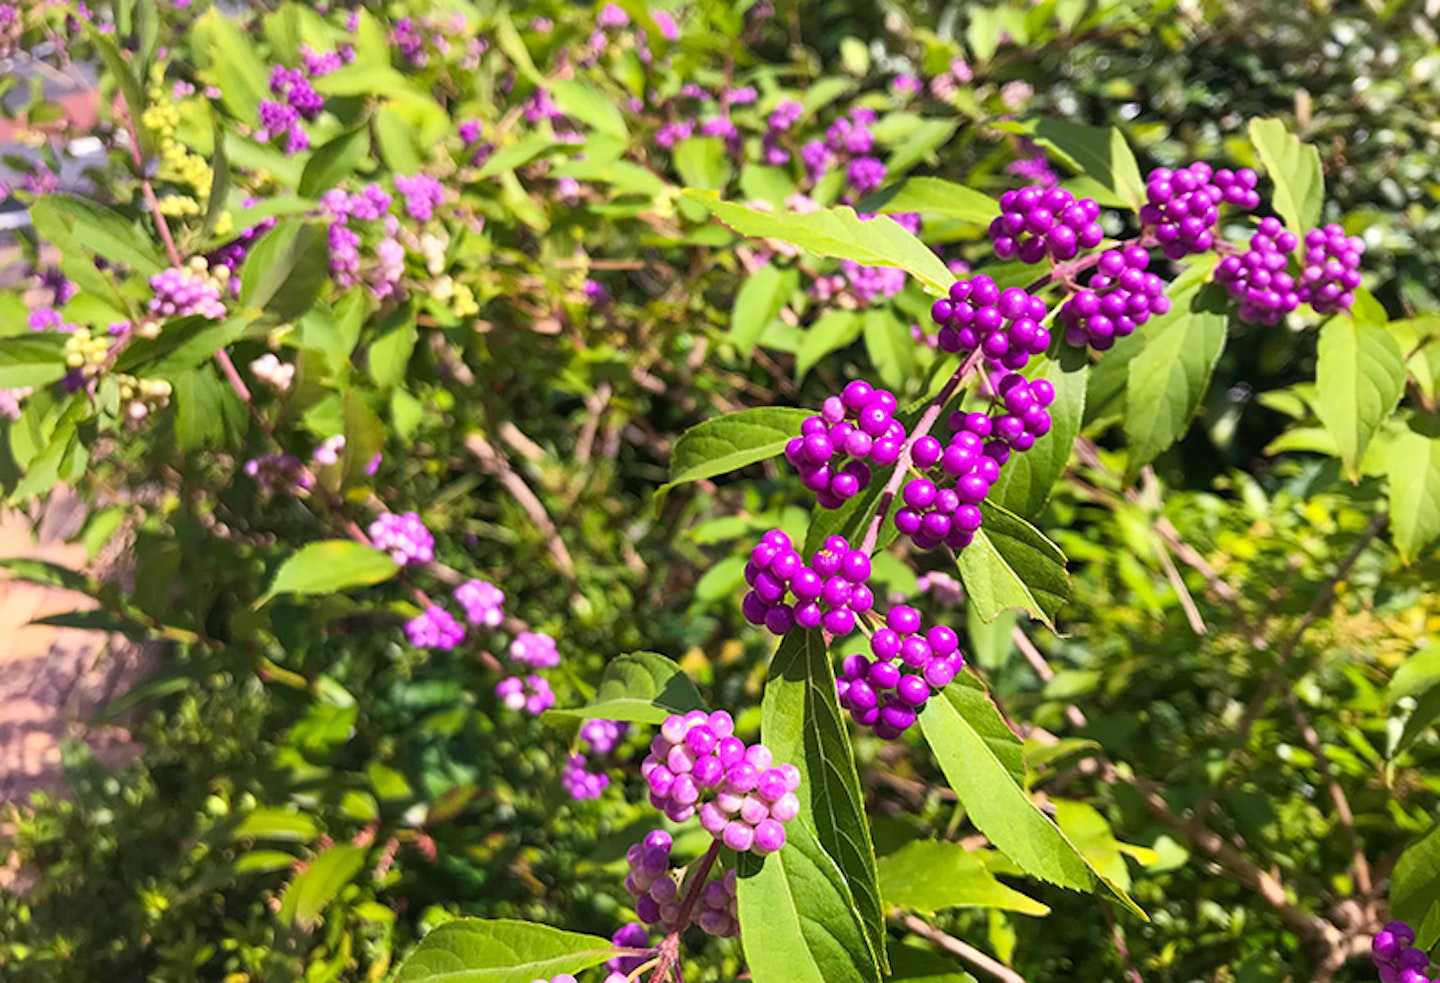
1359 377
395 138
1026 480
980 758
1010 564
639 687
1098 152
702 163
220 183
364 438
235 65
1093 837
329 566
801 722
1166 381
921 143
889 345
1418 673
797 922
32 360
760 298
732 441
276 824
208 412
1415 888
185 344
517 155
388 356
473 950
509 41
915 965
589 105
286 270
1414 473
931 875
836 232
130 89
1294 167
933 198
334 161
831 332
104 232
310 892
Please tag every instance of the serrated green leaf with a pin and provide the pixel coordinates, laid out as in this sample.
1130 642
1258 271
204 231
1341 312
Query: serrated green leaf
31 360
1413 464
311 891
979 756
1415 888
758 301
1166 381
473 950
797 922
934 198
932 875
1098 152
732 441
329 566
836 232
639 687
1294 167
1359 377
1010 564
801 722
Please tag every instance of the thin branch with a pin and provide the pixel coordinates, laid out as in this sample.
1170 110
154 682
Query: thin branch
955 947
495 462
670 947
1036 658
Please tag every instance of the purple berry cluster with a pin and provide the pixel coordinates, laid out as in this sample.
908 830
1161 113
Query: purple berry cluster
483 602
1004 324
531 693
1182 206
656 889
1332 269
1037 222
784 116
886 692
696 765
603 736
295 99
631 936
831 452
435 628
535 649
404 537
1120 296
829 593
422 193
1396 957
581 783
280 474
1257 278
368 205
183 291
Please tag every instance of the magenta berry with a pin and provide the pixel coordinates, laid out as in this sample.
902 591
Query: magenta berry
1037 222
1006 324
1332 269
886 691
1119 298
1258 278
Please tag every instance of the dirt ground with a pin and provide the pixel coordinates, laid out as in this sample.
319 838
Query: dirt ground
52 680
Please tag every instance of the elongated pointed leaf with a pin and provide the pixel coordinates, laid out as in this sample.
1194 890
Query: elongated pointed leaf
1168 378
1100 153
1011 564
933 197
31 360
759 299
1414 467
831 332
310 892
1415 888
800 721
640 687
1294 167
474 950
931 875
837 232
332 565
286 270
732 441
797 923
978 755
1359 377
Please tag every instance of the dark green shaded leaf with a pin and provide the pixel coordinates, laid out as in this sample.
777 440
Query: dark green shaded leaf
640 687
729 442
1011 564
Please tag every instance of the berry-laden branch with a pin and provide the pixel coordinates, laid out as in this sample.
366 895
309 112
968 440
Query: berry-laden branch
670 947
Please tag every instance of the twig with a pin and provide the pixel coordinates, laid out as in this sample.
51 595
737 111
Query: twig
670 947
1042 669
493 461
1343 811
922 427
1118 937
955 947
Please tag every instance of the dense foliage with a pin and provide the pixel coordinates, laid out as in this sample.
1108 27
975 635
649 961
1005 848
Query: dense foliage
475 393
